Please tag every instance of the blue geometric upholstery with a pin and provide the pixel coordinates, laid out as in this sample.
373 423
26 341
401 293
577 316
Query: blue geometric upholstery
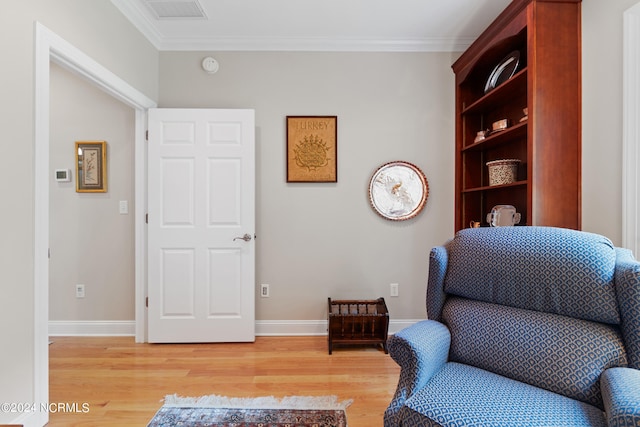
436 296
571 275
423 349
529 326
621 398
536 348
487 399
628 289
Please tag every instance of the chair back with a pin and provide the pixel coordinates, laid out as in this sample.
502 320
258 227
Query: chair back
536 304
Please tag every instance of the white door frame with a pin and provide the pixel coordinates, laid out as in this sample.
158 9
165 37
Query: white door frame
50 47
631 130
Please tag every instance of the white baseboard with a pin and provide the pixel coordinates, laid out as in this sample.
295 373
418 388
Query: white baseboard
30 419
264 328
397 325
93 328
267 328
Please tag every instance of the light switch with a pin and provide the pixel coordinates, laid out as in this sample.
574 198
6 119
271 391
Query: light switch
124 207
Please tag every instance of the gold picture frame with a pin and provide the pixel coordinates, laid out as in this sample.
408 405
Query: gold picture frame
312 148
91 166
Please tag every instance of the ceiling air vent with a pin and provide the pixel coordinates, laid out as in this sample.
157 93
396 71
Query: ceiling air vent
176 9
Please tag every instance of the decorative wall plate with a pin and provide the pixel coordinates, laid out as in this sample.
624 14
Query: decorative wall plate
398 190
503 71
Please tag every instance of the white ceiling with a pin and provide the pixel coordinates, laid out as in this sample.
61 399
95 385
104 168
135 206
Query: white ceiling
313 25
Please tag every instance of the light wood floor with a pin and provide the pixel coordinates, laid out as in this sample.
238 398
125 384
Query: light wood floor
124 382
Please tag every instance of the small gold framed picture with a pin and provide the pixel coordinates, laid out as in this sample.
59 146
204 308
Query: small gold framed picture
91 166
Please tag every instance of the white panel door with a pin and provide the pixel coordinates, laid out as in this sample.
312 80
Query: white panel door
201 197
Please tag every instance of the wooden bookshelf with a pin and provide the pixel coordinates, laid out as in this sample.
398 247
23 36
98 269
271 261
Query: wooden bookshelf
546 35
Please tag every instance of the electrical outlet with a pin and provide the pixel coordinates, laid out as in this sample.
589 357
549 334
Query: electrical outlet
79 291
393 289
264 290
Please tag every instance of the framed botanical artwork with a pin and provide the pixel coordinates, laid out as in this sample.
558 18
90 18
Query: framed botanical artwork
91 166
312 148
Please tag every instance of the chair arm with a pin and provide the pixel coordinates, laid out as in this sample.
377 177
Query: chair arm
420 350
621 395
627 280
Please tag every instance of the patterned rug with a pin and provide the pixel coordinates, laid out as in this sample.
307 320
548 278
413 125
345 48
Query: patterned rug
218 411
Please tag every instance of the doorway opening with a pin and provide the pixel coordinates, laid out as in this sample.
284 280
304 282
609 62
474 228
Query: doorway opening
52 48
631 130
91 237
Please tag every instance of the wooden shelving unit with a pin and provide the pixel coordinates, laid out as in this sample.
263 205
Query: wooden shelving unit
547 36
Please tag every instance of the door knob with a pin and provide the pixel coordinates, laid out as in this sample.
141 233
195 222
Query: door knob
246 237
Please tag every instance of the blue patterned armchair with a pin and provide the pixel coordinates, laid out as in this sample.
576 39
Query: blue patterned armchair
527 326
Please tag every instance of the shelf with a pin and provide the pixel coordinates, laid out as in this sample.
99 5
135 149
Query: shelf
501 95
514 132
496 187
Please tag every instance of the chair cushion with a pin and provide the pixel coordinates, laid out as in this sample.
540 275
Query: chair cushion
557 353
462 395
547 269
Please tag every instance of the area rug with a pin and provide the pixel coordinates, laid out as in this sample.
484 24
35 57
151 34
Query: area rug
218 411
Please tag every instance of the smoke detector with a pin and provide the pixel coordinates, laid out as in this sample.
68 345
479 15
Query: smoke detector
210 65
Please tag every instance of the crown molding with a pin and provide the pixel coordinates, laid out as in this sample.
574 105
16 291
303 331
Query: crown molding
313 44
140 19
133 12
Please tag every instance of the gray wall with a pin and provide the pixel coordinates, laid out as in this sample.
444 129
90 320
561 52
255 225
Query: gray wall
602 24
321 240
91 243
98 29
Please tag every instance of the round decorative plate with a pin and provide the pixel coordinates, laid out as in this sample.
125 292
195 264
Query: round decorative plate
398 190
503 71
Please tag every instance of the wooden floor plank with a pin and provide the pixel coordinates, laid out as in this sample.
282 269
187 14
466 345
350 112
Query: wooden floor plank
124 382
